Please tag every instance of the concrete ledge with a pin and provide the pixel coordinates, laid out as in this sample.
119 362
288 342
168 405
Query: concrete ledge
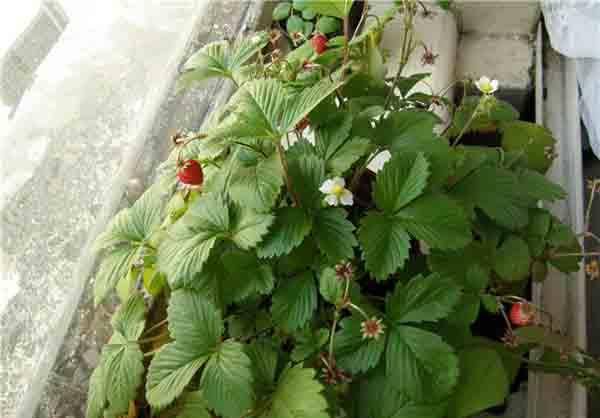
498 17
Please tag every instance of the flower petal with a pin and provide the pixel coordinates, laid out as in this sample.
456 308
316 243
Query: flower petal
339 181
332 200
494 84
327 186
347 199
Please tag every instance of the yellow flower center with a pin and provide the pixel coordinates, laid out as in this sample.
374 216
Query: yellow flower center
338 190
486 88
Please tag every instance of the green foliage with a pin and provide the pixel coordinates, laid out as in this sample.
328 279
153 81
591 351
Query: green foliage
295 301
264 298
221 59
481 372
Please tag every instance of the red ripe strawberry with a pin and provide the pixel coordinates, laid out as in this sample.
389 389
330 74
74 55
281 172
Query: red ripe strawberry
522 314
190 173
319 43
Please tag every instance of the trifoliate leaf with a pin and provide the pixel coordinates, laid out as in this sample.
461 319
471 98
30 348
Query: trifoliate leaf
483 382
423 299
330 286
308 174
257 186
465 311
331 136
333 234
263 109
249 227
512 259
469 267
353 352
420 363
308 342
385 244
190 240
295 301
437 220
193 405
297 395
497 192
227 381
291 226
401 181
221 59
533 140
349 153
488 118
196 325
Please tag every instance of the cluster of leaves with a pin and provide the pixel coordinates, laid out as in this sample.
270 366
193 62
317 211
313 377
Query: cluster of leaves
261 323
306 17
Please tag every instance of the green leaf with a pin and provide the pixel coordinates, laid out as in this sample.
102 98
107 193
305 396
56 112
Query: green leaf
490 116
533 140
298 395
349 153
290 228
376 395
196 326
221 59
189 242
258 186
483 382
512 259
193 405
135 224
123 371
537 187
437 220
423 366
246 275
497 192
227 381
330 286
300 5
336 148
328 24
249 227
308 27
295 301
263 356
407 125
423 299
469 267
115 265
308 343
308 14
96 398
333 234
264 109
295 24
307 173
170 371
129 320
401 181
336 8
282 11
128 231
385 244
353 352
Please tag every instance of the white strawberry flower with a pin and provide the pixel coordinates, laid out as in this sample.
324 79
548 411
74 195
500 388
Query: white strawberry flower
487 86
336 192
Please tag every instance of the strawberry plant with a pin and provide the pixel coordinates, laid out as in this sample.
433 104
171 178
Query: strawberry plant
324 246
